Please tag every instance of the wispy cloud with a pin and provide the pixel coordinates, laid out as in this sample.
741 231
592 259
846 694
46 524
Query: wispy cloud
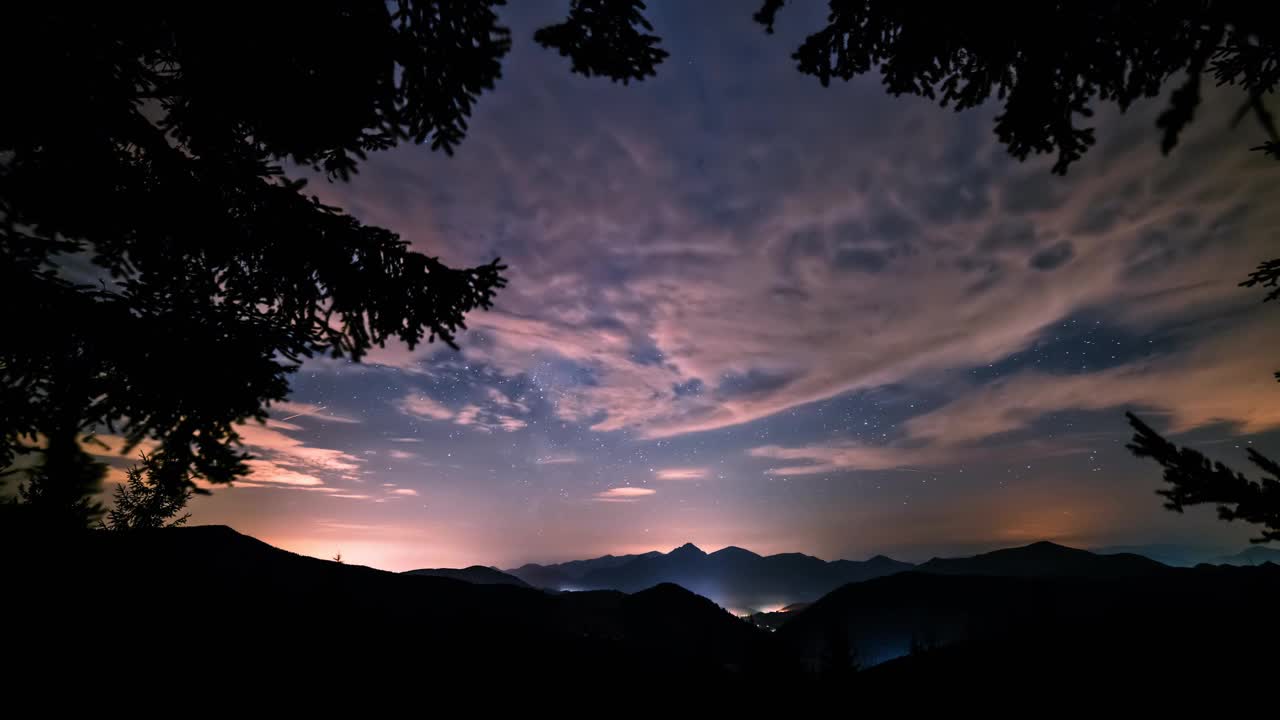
1222 380
286 460
680 474
623 494
291 410
488 420
557 459
423 407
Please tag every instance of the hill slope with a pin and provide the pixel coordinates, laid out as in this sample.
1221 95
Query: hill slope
227 598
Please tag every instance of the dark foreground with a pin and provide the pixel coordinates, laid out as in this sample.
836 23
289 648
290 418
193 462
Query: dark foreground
207 602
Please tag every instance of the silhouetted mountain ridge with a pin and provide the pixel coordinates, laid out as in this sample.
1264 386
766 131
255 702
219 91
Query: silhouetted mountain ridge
1256 555
1045 559
478 574
246 599
733 576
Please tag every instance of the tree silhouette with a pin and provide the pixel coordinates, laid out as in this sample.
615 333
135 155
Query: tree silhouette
1050 64
149 191
838 658
144 503
1196 480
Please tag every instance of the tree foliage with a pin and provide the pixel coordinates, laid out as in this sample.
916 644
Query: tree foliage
1195 480
1049 64
162 268
603 37
146 501
838 658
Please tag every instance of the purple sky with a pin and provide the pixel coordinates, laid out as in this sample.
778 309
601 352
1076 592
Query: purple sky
745 309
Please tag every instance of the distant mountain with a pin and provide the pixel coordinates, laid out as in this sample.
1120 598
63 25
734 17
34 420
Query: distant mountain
478 574
733 577
560 576
1255 555
1170 554
1046 559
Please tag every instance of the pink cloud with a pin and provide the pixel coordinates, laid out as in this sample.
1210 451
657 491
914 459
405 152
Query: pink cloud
681 474
623 494
286 460
557 459
424 407
292 410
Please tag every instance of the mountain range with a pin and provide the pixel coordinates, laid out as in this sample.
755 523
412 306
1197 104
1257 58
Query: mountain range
1256 555
750 583
1040 616
733 577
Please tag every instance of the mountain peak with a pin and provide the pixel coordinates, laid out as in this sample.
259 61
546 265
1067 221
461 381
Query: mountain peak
734 551
687 549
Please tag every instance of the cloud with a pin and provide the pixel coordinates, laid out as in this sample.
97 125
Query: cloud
265 471
1222 380
401 454
495 414
821 459
684 281
511 424
293 410
557 459
404 491
681 474
488 420
280 461
350 496
623 494
287 461
424 407
500 400
406 440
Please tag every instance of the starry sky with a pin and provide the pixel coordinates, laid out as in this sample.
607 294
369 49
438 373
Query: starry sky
744 309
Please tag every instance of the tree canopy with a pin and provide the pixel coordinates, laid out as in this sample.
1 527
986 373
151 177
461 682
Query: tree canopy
155 147
143 503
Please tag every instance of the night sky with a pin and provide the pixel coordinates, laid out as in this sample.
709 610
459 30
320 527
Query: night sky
744 309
